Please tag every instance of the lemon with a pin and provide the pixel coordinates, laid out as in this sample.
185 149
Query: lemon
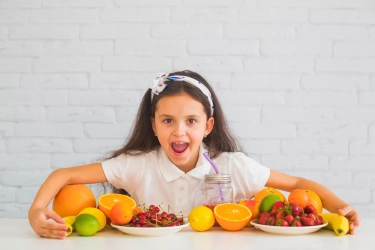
86 224
69 222
267 202
201 218
98 215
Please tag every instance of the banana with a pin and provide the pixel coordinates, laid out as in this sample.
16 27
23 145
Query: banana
337 223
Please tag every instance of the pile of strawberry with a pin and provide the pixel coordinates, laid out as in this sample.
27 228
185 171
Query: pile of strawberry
290 215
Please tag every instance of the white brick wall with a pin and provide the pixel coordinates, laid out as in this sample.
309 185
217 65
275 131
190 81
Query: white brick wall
295 77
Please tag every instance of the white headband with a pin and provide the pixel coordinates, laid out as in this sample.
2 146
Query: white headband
159 84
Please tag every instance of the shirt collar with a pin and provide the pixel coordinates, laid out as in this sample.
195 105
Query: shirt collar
171 172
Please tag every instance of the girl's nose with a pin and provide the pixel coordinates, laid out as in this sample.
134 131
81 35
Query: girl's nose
180 130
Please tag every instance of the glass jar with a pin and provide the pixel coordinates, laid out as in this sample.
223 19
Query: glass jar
217 189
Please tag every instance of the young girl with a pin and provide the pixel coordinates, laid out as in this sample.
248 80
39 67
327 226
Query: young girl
162 161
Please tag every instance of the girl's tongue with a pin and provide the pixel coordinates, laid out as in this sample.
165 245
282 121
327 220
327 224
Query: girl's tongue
180 147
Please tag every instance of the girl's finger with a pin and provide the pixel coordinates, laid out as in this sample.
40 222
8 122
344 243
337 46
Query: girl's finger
48 233
52 225
51 214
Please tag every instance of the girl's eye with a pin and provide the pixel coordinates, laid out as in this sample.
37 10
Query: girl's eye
192 120
167 120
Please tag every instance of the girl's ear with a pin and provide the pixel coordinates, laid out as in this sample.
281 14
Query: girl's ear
153 124
209 125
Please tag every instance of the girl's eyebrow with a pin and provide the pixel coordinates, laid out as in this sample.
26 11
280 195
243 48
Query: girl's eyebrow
188 116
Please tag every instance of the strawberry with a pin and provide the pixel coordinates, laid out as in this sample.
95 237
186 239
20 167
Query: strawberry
289 218
296 223
318 220
263 217
271 221
282 223
312 216
310 209
280 215
306 221
296 210
287 209
276 206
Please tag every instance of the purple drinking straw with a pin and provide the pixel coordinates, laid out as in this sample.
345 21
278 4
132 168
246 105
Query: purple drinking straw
217 172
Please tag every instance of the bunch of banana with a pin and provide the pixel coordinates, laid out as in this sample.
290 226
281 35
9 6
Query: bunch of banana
337 223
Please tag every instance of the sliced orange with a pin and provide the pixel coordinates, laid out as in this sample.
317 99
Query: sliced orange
232 217
107 201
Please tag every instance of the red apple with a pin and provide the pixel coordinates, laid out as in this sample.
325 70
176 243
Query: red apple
253 205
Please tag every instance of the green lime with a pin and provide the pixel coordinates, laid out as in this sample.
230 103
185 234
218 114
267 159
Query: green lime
86 224
267 202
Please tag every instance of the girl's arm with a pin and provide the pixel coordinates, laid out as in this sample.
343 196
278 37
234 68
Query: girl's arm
39 214
330 201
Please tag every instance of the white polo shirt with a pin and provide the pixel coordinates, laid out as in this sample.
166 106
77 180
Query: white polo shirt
152 179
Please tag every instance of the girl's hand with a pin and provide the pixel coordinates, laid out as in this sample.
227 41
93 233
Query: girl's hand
47 223
353 216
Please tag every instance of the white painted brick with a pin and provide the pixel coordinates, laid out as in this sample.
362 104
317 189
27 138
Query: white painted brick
354 49
364 179
265 81
23 178
13 64
14 210
64 16
97 146
329 179
372 83
26 195
367 210
7 194
71 160
372 33
355 65
20 4
338 130
7 129
355 16
296 48
9 81
315 146
362 147
297 114
372 131
187 30
136 63
128 80
203 15
127 3
80 114
53 81
76 3
21 113
119 130
353 195
329 32
135 15
21 48
32 97
262 147
213 64
14 16
39 145
67 64
318 3
264 130
296 162
70 48
242 113
273 15
49 130
224 3
3 32
2 146
17 162
127 113
46 31
319 98
217 80
250 98
261 31
356 163
367 98
335 82
279 65
154 47
223 47
115 31
356 113
100 97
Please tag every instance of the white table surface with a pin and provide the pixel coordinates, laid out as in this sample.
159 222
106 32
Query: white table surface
17 234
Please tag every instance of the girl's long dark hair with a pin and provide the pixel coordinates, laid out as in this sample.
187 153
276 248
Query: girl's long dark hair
142 139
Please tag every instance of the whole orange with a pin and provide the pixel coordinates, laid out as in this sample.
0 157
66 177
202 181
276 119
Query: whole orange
72 199
266 191
121 213
107 201
299 197
316 201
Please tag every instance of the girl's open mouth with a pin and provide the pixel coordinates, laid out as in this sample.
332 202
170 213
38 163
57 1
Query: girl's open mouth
179 147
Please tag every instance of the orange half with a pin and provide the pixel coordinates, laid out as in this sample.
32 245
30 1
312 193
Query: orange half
232 217
107 201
